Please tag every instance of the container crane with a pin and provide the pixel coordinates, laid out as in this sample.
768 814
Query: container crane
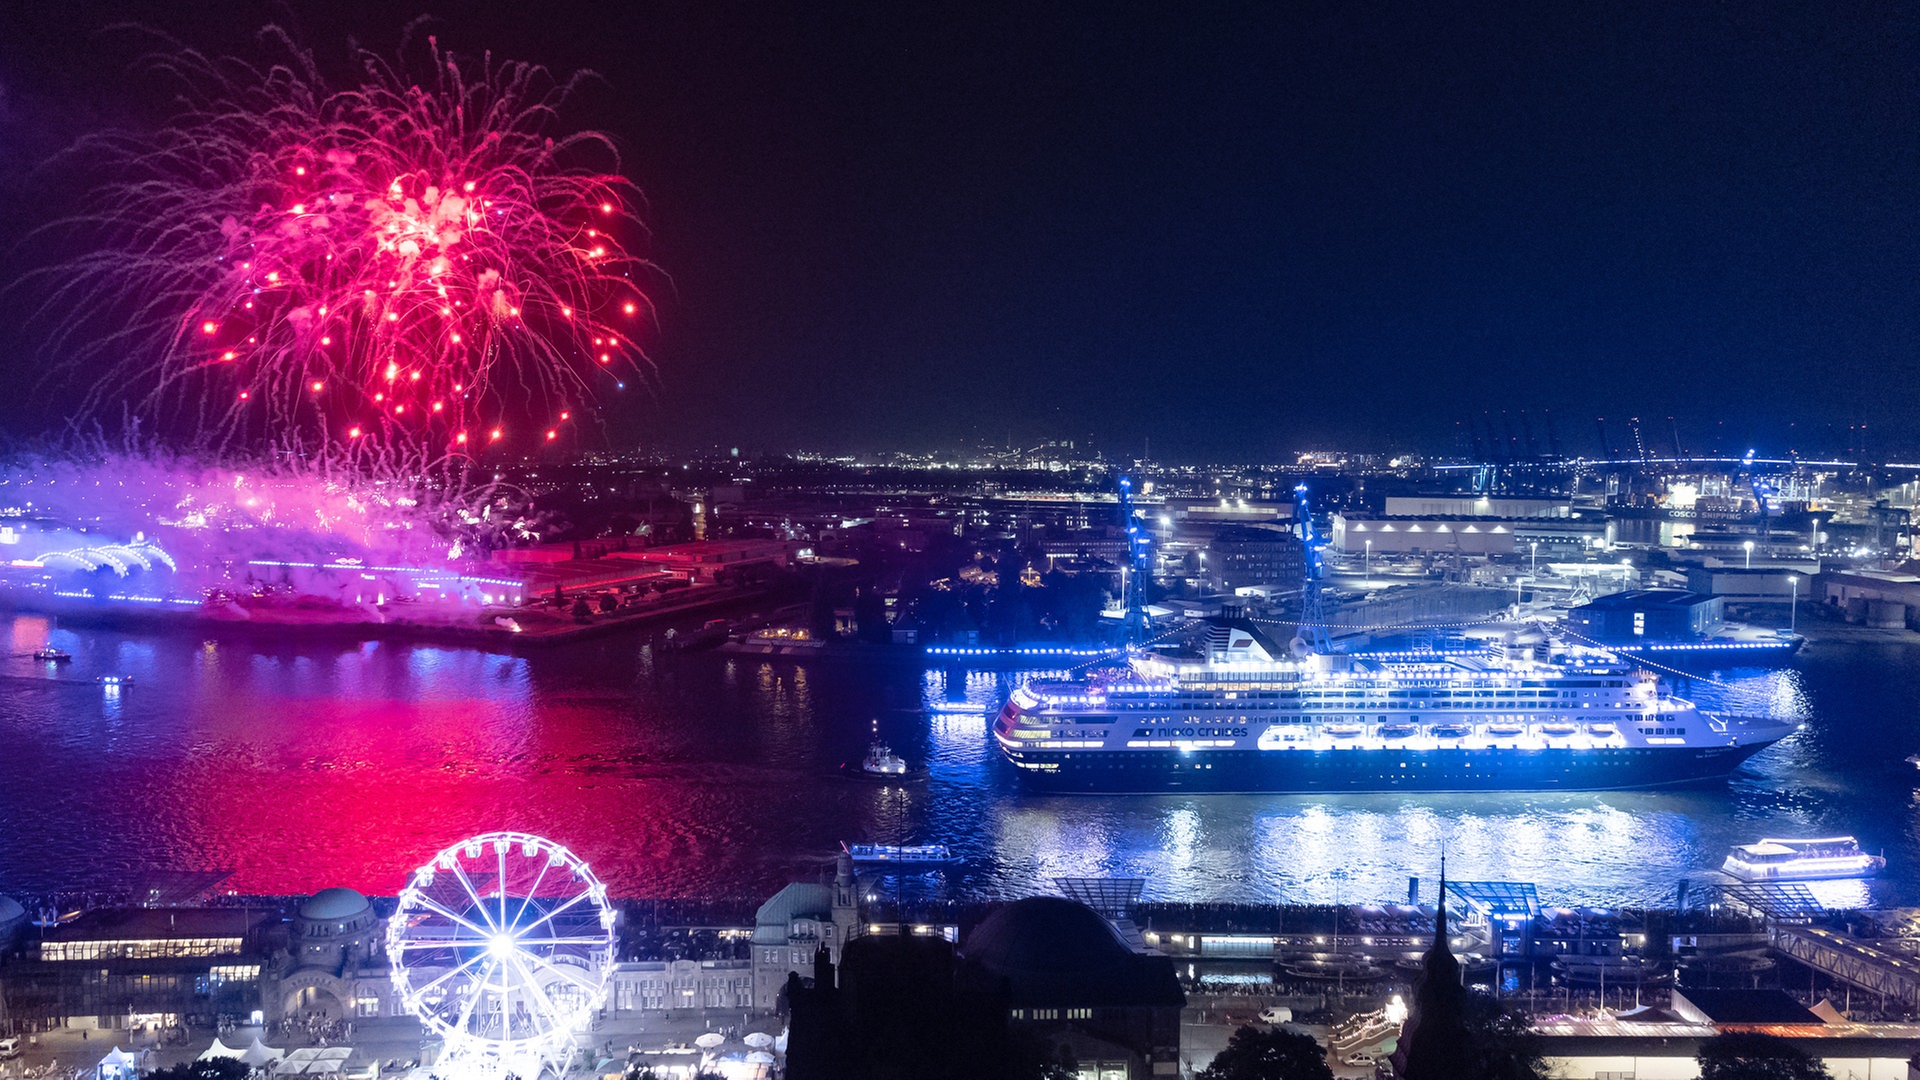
1311 635
1137 571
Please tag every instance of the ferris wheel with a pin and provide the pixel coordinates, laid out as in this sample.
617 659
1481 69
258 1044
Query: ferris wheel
502 945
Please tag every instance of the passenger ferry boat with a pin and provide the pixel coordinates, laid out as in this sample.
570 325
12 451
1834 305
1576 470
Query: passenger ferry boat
1829 858
1244 716
898 855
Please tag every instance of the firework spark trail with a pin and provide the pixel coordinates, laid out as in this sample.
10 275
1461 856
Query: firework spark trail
421 265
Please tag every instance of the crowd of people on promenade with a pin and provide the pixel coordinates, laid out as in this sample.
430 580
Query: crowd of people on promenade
316 1028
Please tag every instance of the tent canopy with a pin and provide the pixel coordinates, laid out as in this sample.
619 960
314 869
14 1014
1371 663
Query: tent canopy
259 1053
218 1050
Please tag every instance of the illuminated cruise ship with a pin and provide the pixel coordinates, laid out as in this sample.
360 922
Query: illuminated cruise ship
1244 716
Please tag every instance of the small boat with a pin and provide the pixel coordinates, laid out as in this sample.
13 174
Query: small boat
1914 760
1506 729
1558 731
882 764
1604 731
898 855
52 655
115 680
882 761
1451 731
1344 731
956 707
1398 731
1829 858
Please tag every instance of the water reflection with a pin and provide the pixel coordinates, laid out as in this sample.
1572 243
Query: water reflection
301 766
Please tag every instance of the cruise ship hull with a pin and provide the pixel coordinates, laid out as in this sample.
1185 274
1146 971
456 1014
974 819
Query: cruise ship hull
1378 770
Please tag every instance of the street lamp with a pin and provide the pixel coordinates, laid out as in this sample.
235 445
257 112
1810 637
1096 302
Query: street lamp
1749 546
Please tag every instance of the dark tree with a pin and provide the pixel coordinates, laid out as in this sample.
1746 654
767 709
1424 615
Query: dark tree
1742 1055
1276 1054
1507 1046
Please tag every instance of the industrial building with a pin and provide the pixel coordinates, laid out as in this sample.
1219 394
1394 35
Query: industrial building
1242 556
1478 505
1357 534
1666 614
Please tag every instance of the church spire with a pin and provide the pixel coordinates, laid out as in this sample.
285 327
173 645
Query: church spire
1440 962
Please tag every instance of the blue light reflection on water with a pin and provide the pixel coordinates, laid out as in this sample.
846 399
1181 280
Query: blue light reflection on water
301 766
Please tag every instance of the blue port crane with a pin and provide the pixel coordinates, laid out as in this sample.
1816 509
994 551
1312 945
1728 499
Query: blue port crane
1312 631
1763 495
1137 572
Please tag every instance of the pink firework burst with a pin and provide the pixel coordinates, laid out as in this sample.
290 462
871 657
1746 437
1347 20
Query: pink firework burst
417 262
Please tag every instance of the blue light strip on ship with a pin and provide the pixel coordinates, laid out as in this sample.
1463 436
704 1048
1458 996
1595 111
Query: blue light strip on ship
947 650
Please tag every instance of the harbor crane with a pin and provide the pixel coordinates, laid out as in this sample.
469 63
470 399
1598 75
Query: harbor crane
1137 571
1311 635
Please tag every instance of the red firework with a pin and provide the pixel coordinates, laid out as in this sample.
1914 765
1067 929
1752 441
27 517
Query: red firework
421 262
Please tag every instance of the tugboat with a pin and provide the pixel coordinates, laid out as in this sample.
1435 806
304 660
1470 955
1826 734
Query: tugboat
882 761
52 655
883 765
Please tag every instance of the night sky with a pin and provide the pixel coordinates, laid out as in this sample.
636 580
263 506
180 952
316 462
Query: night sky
1235 230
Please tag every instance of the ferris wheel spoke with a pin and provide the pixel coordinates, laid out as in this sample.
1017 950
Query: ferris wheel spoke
506 1004
548 917
451 972
474 895
574 978
533 982
436 907
560 941
500 886
473 998
527 901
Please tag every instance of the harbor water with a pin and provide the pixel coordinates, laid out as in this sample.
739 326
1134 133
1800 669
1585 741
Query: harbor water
302 765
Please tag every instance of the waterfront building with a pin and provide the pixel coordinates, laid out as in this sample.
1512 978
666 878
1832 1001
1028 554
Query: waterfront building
910 1005
1477 505
708 559
796 921
894 1007
1623 618
1359 534
1884 598
335 962
1246 556
1774 584
1663 1044
1070 977
142 967
669 985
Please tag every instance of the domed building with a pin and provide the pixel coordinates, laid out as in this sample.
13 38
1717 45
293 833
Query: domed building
13 919
329 925
796 921
1068 973
335 961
